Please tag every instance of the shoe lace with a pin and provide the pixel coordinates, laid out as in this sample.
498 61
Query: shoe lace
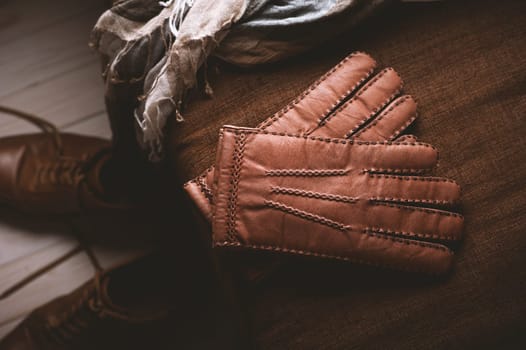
63 171
42 124
78 317
82 315
85 313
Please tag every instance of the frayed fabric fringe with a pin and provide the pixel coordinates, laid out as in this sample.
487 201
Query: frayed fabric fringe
162 45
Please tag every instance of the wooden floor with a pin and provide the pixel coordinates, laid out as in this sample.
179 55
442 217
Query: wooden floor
47 69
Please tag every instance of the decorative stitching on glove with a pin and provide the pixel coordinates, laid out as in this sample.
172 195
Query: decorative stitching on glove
306 172
237 162
312 194
200 182
354 98
407 241
406 200
207 191
394 171
403 127
385 113
307 216
413 178
425 210
269 121
371 116
436 236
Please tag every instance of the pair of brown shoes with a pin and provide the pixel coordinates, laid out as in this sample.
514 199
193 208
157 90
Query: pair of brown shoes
60 173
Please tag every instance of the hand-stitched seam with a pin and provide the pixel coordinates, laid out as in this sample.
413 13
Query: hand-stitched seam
437 236
269 121
384 114
406 241
365 88
403 127
203 188
237 162
424 210
413 178
373 112
409 268
202 175
307 216
411 200
312 194
306 172
371 116
394 171
207 191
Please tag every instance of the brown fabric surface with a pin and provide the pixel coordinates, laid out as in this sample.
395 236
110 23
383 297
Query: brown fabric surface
465 62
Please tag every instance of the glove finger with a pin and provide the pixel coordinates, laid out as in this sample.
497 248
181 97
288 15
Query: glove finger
323 96
326 231
405 220
362 107
396 157
392 121
404 254
411 189
334 156
363 248
372 215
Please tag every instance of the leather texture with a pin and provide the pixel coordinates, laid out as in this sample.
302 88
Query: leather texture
37 176
361 201
349 101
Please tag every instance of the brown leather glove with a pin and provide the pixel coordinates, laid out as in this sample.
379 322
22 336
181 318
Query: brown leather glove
348 101
349 200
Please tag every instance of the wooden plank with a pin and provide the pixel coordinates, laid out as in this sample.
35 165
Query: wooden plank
63 100
46 53
97 125
22 18
60 280
9 326
109 257
20 236
17 269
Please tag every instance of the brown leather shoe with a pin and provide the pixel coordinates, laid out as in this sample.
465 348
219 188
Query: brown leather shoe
54 172
126 307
